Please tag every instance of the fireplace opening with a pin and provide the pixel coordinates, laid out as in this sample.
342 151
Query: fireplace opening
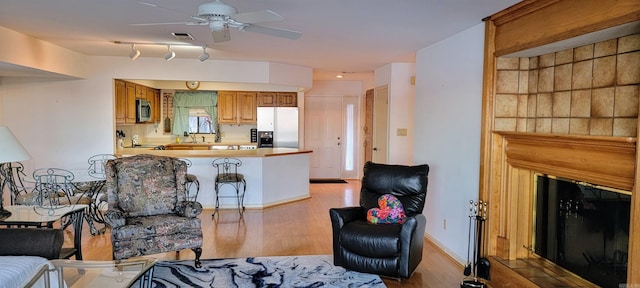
583 228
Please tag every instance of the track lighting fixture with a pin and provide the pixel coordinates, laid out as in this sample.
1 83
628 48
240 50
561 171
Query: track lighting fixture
204 55
170 54
135 53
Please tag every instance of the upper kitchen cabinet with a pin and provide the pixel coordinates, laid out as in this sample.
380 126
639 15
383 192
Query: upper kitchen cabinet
267 99
121 102
237 107
126 95
153 96
277 99
287 99
130 103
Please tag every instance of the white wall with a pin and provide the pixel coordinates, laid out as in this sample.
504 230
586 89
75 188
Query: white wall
447 137
397 76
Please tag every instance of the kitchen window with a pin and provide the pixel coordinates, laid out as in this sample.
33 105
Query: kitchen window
200 122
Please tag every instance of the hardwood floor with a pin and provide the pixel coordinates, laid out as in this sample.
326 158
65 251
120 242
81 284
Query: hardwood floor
299 228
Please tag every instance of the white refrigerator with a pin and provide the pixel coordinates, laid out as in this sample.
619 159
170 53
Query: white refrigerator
283 121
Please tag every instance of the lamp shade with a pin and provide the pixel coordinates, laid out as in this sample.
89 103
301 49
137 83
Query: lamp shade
10 148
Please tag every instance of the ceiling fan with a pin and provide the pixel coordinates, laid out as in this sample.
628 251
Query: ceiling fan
220 16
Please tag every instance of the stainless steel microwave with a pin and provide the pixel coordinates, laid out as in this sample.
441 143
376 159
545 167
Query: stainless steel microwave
143 111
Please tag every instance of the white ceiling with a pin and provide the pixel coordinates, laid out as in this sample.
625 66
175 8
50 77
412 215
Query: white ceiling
338 35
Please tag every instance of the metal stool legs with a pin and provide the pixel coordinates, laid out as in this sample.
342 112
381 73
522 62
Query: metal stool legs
239 195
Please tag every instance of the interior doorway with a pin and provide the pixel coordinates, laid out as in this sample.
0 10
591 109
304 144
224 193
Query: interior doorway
380 124
367 128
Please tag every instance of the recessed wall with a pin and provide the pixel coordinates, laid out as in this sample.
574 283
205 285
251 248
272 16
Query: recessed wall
588 90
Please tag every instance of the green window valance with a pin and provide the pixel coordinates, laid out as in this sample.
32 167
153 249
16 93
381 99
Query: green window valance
185 100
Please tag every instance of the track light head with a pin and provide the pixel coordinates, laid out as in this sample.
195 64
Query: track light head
204 55
135 53
170 54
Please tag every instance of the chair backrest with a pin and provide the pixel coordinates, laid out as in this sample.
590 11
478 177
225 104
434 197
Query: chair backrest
227 169
12 176
186 161
96 165
145 185
407 183
52 185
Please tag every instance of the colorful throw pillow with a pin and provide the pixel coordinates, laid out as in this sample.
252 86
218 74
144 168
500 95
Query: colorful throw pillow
390 211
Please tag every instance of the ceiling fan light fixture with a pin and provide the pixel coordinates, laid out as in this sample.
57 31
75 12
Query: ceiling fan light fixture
170 54
204 55
217 25
135 53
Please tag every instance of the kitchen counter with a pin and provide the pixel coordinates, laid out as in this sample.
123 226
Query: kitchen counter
262 152
274 175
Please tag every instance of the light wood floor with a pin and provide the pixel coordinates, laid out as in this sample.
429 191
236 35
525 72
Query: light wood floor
299 228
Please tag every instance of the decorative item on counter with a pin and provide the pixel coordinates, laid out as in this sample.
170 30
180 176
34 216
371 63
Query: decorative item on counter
120 136
177 138
135 140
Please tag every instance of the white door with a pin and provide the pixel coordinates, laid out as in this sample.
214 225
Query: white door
323 132
380 124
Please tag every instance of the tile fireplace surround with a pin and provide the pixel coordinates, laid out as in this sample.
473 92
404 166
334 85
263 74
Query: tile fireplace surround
570 114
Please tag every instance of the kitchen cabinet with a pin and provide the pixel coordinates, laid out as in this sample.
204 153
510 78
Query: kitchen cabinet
126 95
277 99
237 107
267 99
287 99
153 96
121 101
130 103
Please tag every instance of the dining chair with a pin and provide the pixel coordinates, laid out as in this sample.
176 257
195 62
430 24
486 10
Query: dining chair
95 188
12 177
54 189
96 165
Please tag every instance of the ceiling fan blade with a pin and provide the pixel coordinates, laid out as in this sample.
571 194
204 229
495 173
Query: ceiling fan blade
168 23
256 17
283 33
221 35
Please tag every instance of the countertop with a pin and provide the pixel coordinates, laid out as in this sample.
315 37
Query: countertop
261 152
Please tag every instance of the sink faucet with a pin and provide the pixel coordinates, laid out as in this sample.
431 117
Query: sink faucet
202 139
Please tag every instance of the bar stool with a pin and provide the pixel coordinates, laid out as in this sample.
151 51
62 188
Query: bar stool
227 169
192 180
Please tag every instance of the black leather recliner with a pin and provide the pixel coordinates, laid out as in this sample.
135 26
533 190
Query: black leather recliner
393 250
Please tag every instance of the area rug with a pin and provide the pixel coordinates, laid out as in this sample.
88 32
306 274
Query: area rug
281 271
322 181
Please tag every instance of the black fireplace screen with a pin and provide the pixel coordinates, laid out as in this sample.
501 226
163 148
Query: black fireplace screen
583 228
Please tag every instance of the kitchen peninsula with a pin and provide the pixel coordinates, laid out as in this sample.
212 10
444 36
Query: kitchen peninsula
274 175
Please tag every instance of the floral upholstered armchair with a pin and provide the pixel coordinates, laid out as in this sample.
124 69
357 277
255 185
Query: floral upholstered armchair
147 207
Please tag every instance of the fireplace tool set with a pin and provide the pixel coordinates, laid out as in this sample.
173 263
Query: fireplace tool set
479 265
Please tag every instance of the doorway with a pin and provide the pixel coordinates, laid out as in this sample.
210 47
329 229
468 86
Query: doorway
323 135
331 125
380 124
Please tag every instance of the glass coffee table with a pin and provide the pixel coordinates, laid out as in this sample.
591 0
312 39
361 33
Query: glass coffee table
122 273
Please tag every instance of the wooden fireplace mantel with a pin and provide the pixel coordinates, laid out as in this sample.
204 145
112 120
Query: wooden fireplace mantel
606 161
